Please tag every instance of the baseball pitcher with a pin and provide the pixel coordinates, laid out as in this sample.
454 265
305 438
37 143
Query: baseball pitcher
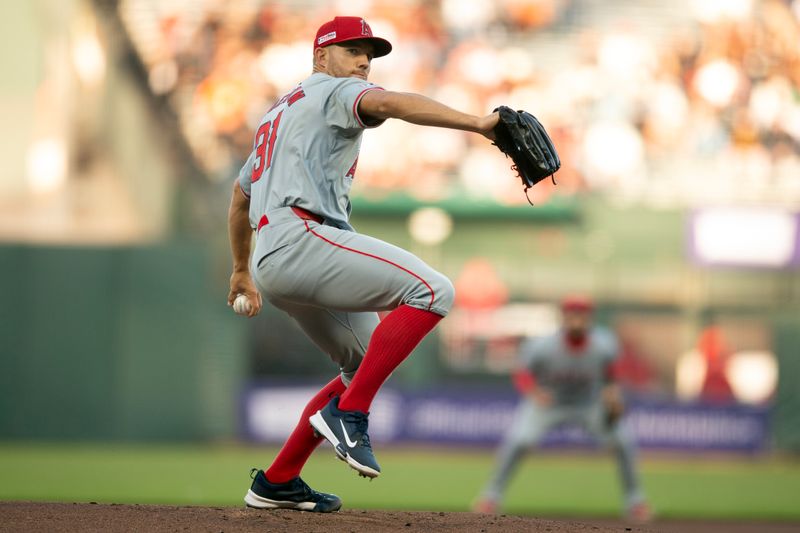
293 192
567 377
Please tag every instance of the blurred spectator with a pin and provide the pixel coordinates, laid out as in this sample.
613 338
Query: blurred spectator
716 388
479 287
632 371
709 111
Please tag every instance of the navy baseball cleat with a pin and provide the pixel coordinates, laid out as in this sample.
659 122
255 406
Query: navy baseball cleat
347 431
294 494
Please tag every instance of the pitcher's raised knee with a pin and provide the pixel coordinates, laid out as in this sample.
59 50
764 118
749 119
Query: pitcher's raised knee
434 293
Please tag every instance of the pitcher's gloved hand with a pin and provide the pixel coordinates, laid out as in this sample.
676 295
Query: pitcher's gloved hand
520 136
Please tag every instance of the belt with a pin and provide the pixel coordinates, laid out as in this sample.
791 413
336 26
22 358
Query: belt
299 211
307 215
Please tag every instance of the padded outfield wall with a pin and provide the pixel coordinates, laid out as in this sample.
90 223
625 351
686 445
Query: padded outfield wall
136 343
115 343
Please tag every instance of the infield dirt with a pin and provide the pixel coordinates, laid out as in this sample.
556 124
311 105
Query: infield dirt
112 518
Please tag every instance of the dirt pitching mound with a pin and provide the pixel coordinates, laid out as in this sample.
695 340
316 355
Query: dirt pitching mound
112 518
48 517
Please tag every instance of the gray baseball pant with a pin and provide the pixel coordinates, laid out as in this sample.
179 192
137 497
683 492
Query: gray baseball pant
332 281
532 422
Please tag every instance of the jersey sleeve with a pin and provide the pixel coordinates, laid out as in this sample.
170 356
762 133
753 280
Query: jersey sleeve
531 354
246 174
610 353
341 107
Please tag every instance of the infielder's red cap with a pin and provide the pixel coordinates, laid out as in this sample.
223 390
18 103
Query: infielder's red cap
342 29
577 303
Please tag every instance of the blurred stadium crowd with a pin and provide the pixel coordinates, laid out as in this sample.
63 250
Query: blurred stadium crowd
708 111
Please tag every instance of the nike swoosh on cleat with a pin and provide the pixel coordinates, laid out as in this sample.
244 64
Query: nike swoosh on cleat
350 443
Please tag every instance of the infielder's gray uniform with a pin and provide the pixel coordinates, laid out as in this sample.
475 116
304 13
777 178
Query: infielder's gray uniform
575 378
325 275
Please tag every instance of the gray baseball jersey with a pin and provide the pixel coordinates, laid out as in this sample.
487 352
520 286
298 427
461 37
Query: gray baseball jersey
306 150
316 268
573 376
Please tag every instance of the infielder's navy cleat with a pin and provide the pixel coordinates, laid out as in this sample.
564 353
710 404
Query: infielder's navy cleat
347 431
294 494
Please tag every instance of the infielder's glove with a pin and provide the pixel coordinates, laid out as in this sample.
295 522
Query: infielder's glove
523 138
612 414
611 418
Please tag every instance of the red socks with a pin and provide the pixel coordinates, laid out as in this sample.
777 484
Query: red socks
392 341
301 443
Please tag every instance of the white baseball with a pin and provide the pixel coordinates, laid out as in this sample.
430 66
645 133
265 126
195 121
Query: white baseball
241 305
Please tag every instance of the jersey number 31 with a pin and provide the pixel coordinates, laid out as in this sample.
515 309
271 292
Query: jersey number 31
265 143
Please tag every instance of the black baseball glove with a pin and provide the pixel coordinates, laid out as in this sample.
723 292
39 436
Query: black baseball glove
523 138
611 418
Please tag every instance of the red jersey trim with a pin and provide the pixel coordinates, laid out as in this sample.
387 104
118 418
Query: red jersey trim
308 228
524 381
358 99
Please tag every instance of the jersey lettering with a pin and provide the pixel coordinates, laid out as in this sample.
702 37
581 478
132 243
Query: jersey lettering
266 136
294 96
352 172
289 99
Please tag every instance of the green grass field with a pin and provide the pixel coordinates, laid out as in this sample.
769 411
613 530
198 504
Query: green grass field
416 479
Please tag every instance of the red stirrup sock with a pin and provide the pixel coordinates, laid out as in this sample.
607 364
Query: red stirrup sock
302 442
392 341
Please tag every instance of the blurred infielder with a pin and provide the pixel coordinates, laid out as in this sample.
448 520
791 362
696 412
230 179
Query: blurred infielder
567 377
307 260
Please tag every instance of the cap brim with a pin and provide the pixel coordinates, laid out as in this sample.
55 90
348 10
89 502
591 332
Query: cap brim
381 47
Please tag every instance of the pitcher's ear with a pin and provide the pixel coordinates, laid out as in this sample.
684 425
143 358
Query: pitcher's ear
321 58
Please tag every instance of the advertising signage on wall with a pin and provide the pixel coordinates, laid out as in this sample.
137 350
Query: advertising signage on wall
465 417
745 237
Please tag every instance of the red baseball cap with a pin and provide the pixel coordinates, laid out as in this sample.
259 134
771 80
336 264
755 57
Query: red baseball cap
342 29
577 303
